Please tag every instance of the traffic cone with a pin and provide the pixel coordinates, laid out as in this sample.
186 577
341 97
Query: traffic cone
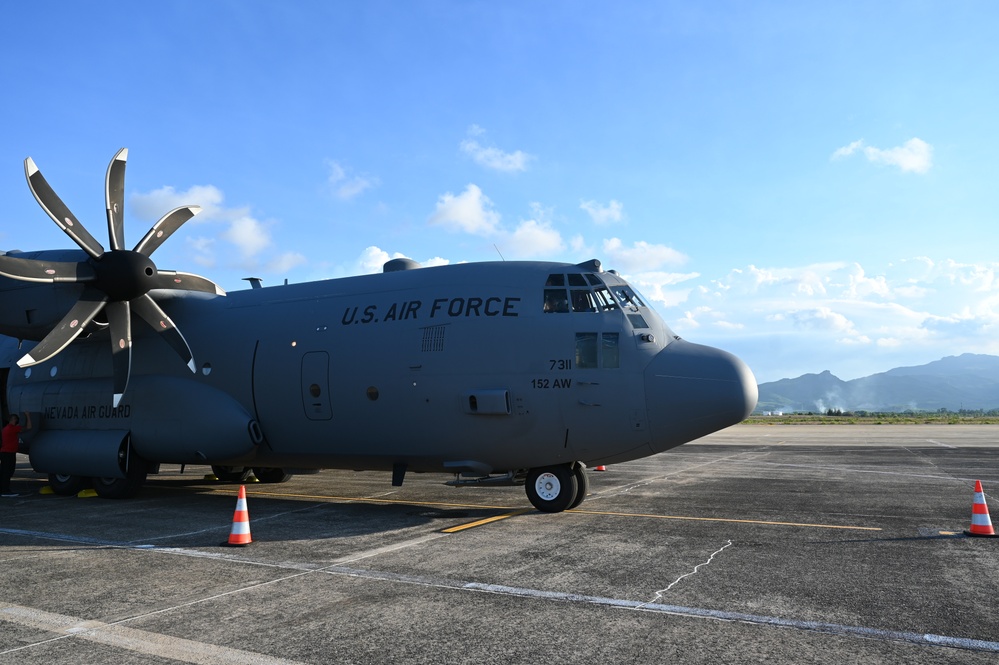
600 468
240 534
981 524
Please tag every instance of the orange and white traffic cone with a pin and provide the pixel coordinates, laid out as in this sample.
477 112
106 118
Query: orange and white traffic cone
981 523
240 534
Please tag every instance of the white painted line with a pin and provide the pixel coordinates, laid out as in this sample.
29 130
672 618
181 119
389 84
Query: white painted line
923 639
131 639
945 445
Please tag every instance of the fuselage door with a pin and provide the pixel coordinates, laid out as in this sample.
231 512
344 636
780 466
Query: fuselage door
316 385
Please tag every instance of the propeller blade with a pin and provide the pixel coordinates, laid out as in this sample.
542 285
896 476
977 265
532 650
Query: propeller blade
164 228
57 210
114 196
151 313
120 321
34 270
68 329
184 281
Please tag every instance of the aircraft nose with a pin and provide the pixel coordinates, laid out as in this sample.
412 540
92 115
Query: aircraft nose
692 390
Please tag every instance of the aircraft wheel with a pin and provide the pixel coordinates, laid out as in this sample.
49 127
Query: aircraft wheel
230 474
271 475
552 489
582 485
67 485
123 488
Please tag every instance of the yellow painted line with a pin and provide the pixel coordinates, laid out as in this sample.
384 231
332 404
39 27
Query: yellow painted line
488 520
358 499
729 520
516 511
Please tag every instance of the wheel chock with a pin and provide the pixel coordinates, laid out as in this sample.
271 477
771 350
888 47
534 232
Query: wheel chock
87 493
46 490
211 476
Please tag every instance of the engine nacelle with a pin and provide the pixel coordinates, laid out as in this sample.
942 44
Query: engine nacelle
168 419
29 310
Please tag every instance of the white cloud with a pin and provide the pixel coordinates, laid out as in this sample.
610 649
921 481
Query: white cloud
471 212
661 287
532 238
640 257
285 262
153 205
491 157
915 155
344 185
861 286
238 226
611 213
844 317
249 235
202 247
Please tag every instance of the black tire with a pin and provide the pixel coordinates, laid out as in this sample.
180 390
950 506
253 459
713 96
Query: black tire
582 485
66 485
230 474
551 489
123 488
266 474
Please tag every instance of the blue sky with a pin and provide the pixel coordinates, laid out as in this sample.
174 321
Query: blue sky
809 185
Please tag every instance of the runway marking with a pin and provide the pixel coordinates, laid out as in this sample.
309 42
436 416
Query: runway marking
361 499
921 639
523 511
488 520
945 445
727 519
132 639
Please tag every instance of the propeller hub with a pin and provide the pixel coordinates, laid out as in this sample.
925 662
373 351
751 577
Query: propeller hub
124 274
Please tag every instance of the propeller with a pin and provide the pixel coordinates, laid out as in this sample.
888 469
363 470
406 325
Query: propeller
116 281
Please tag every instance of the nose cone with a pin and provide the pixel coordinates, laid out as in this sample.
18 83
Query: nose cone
692 390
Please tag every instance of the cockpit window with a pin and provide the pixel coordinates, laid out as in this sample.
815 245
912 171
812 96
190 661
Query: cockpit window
587 293
627 297
583 301
604 299
556 301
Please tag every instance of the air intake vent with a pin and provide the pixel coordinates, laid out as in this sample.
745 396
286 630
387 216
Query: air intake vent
433 338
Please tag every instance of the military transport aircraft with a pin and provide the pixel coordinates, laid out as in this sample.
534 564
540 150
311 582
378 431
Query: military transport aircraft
500 373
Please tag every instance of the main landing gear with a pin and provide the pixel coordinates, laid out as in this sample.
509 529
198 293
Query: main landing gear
239 474
106 488
552 489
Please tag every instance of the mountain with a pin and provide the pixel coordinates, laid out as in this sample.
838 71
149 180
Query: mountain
969 381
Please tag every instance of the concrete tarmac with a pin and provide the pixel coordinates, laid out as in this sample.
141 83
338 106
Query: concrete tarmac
784 543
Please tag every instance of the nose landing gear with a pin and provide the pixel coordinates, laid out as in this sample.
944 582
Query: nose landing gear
552 489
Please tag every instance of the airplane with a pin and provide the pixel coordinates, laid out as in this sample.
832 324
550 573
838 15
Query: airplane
496 373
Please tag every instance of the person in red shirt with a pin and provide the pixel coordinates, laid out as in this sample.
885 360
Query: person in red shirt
8 450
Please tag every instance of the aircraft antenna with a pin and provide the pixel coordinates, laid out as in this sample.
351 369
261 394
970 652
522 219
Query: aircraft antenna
498 252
